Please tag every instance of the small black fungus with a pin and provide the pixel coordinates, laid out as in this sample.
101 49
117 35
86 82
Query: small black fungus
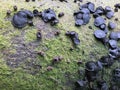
39 35
106 61
61 14
8 13
74 37
15 8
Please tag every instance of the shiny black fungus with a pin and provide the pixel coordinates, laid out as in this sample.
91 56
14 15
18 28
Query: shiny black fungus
83 6
91 7
111 25
91 76
54 22
105 41
93 66
85 11
98 12
90 27
116 76
95 15
106 30
114 53
102 26
117 5
106 61
15 8
114 35
86 18
61 14
108 9
29 14
79 16
113 44
91 70
8 13
49 15
99 21
39 35
74 37
20 19
57 59
116 10
82 17
35 12
99 34
110 14
79 22
102 85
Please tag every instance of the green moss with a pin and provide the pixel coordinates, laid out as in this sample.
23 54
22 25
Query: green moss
30 35
4 42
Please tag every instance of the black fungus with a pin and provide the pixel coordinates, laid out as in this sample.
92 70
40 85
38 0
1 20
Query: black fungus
106 61
90 27
99 34
114 36
117 5
116 10
91 70
35 12
8 13
20 19
86 18
85 11
102 85
114 53
110 14
99 21
82 17
113 44
111 25
39 35
74 37
79 22
54 22
108 9
57 59
102 26
91 7
116 76
61 14
98 12
15 8
49 15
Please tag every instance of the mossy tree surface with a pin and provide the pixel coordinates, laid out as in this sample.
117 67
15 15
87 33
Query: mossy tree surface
26 74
